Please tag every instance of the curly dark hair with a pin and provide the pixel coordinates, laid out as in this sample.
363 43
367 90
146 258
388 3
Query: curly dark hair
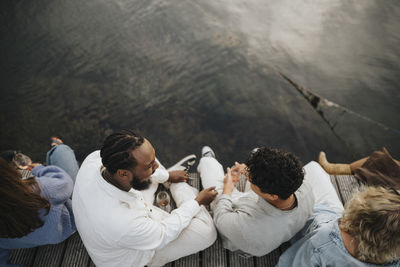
275 172
116 151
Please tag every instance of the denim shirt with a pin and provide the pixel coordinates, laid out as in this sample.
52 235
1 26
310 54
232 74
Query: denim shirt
319 243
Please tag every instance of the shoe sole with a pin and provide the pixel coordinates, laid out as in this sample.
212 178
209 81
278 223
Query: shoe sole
178 166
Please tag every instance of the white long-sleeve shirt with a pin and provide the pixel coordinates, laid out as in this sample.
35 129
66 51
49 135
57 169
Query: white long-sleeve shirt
119 228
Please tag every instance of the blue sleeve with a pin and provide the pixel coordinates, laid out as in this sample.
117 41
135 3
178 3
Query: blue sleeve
4 255
301 254
322 214
55 183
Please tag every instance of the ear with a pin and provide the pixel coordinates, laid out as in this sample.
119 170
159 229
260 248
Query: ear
121 173
258 191
271 196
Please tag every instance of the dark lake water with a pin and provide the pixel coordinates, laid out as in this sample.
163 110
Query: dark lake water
189 73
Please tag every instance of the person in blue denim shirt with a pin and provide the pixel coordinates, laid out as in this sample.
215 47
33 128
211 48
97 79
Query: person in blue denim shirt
366 234
37 210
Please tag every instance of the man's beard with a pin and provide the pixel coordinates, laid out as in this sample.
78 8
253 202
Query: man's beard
140 185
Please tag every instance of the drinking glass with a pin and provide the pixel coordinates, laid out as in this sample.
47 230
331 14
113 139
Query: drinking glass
163 201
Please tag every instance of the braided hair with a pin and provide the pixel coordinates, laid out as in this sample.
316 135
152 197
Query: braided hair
275 172
116 152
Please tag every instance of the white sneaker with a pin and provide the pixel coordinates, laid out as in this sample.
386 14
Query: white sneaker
206 151
184 164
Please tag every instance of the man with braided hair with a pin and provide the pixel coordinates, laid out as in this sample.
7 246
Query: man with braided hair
278 199
113 209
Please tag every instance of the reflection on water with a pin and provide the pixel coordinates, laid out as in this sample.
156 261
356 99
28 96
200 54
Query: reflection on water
192 73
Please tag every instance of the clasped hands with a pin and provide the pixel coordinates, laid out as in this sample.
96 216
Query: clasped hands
232 177
207 195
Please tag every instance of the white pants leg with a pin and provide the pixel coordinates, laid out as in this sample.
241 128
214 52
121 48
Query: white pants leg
199 234
212 174
323 190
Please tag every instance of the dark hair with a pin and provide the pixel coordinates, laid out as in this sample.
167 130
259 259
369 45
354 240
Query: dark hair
116 152
20 203
275 171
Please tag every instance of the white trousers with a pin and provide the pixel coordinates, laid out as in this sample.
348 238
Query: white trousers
197 236
212 174
322 187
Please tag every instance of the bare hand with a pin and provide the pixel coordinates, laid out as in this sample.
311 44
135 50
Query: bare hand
228 183
237 171
206 196
178 176
33 165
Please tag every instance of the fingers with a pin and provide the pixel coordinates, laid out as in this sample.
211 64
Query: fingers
229 173
237 168
212 191
178 176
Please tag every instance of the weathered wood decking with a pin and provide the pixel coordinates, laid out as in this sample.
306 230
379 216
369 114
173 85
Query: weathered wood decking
72 252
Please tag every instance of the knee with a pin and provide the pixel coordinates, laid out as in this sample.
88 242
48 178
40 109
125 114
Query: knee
62 148
206 231
314 167
209 235
312 164
207 163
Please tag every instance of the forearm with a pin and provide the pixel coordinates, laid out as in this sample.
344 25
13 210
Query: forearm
179 219
148 234
57 178
223 207
229 223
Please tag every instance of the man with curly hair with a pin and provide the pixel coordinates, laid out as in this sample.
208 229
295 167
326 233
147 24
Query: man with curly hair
278 199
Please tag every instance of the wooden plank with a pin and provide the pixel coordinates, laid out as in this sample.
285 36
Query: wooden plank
50 255
348 185
75 253
335 185
269 260
188 261
215 256
194 180
237 260
284 247
23 257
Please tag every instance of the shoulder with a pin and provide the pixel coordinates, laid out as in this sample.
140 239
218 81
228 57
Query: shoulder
89 169
92 159
307 250
305 196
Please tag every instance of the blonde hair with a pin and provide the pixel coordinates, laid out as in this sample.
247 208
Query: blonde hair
372 218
